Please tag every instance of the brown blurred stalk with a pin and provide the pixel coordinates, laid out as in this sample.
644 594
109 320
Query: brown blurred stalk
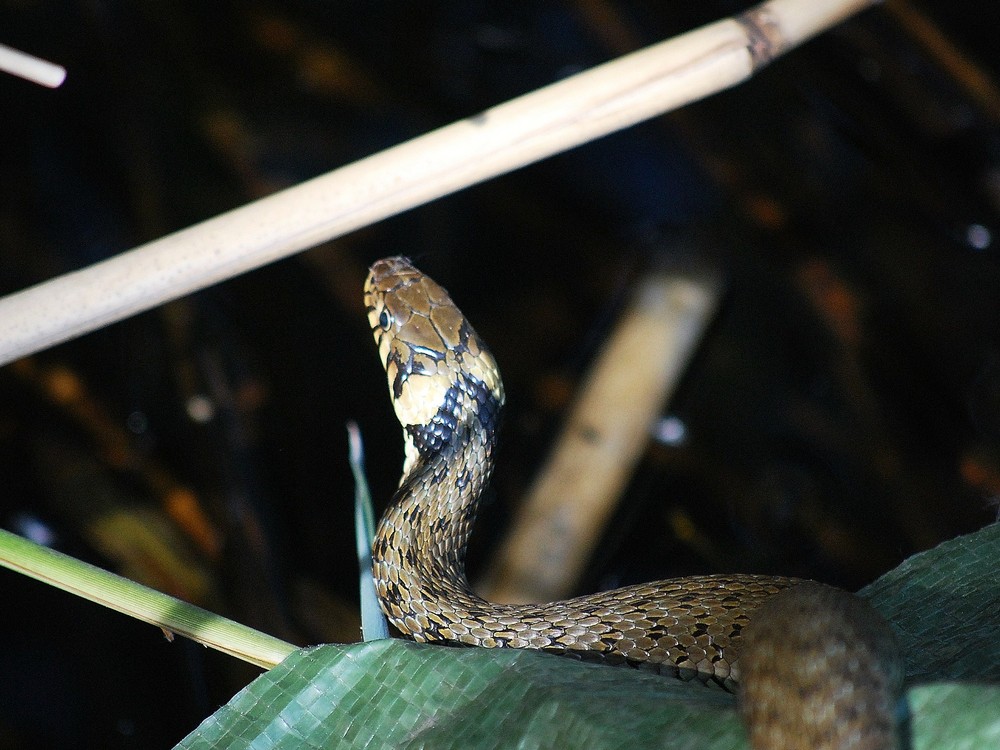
566 509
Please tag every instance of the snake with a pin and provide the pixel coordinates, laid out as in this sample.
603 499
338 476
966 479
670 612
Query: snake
814 666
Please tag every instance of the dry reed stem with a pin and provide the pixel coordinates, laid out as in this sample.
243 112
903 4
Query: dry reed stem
524 130
31 68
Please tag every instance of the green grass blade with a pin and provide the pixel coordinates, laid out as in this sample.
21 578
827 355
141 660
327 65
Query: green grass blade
141 602
373 622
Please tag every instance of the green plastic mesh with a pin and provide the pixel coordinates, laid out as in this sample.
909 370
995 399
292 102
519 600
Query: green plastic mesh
944 604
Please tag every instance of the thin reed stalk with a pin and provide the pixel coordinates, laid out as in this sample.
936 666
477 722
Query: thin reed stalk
550 120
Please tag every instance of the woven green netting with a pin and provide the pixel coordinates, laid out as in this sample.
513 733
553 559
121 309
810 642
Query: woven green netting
944 604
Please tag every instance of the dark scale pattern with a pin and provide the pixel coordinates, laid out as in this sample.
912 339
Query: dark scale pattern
691 628
434 436
470 400
487 407
402 371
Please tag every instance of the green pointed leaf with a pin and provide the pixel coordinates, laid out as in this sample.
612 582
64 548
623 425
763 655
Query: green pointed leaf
373 623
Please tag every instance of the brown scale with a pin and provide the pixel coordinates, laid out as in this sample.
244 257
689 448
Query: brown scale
447 393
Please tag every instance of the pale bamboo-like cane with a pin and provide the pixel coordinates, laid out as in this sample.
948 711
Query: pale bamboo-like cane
31 68
524 130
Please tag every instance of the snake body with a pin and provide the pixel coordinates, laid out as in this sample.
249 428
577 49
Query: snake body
447 394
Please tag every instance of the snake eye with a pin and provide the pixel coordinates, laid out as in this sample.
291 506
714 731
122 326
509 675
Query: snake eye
384 320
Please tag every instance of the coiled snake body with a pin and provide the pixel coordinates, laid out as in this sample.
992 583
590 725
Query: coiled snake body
447 394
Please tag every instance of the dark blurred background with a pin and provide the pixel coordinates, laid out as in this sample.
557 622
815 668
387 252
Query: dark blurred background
842 412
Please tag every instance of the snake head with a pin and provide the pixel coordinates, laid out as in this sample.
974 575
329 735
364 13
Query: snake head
440 374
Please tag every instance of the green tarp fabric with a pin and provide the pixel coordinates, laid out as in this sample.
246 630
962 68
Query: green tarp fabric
943 603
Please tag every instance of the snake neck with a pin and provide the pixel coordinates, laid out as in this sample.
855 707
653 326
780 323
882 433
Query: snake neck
419 551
